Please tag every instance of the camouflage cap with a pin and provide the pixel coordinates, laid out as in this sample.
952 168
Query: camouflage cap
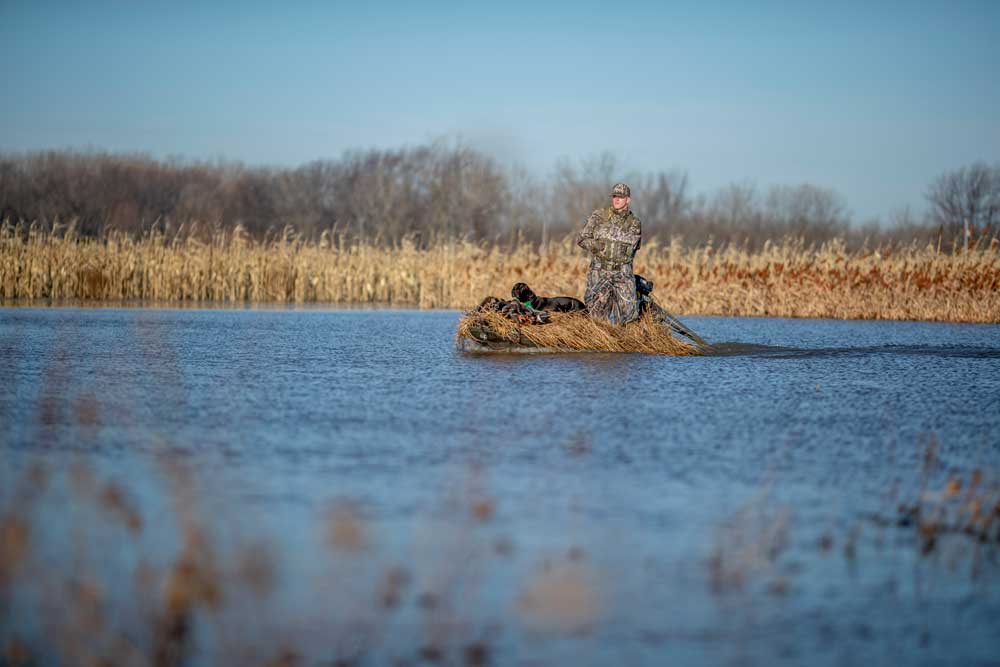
621 190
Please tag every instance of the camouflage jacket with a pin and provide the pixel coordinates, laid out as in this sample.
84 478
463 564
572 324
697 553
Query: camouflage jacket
611 238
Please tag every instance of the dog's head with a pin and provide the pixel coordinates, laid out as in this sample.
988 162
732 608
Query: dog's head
522 293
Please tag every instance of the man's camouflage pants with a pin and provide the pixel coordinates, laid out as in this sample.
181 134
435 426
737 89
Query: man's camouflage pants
611 295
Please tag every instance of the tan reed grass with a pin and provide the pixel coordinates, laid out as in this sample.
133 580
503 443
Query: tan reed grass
786 278
575 331
220 595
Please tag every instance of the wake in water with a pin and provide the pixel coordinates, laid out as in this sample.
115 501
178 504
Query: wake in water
736 349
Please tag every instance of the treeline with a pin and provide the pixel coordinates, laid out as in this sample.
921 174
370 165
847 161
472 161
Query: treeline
441 191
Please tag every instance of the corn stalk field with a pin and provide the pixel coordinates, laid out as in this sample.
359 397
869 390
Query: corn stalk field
786 278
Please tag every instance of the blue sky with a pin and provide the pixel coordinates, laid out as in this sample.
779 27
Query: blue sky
873 100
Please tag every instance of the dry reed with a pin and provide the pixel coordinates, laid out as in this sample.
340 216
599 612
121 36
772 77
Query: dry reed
786 278
969 507
575 331
218 596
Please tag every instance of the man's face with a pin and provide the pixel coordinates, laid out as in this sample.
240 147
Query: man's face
619 203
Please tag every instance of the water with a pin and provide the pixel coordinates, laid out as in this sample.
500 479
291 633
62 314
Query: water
591 508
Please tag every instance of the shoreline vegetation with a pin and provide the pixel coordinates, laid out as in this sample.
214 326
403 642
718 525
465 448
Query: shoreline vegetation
786 278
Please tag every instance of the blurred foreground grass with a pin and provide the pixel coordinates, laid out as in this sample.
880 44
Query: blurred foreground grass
783 279
89 575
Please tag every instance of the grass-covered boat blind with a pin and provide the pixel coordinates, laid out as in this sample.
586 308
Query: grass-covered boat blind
578 332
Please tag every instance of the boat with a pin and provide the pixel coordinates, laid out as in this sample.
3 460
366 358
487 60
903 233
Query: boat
656 332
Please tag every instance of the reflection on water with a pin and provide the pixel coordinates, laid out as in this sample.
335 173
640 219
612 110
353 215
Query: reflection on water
314 486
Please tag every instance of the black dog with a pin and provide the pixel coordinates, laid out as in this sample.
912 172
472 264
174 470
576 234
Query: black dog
559 304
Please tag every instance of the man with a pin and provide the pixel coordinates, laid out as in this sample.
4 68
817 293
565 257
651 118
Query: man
612 236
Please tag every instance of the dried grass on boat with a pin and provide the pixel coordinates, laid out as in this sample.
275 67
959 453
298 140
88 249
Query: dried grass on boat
576 331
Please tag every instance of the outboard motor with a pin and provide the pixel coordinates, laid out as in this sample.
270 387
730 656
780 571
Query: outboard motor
643 287
644 290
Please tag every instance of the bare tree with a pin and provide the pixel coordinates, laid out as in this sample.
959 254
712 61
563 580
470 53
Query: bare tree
442 190
736 207
970 195
807 211
577 190
663 200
